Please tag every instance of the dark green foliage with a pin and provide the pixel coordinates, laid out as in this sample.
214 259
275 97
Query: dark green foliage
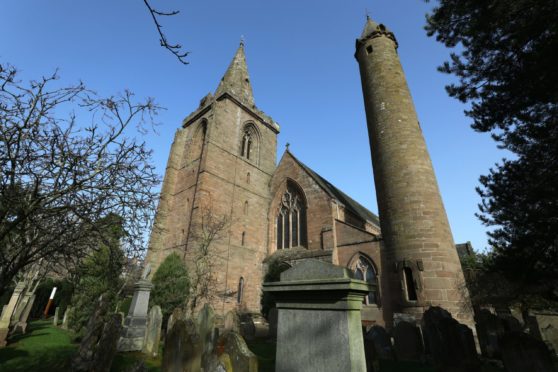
507 72
99 274
62 298
171 285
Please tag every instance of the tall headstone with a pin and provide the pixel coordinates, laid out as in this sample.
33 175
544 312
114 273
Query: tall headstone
153 333
408 341
7 314
66 317
183 347
21 325
242 359
450 343
135 325
207 331
319 325
55 318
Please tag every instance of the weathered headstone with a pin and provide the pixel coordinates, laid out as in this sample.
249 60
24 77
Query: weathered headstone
55 317
4 307
98 345
207 331
21 325
379 343
522 352
544 326
135 325
319 313
183 347
242 359
66 317
232 322
450 343
153 332
407 341
489 330
7 313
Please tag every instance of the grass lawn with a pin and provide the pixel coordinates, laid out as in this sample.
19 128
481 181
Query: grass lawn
46 348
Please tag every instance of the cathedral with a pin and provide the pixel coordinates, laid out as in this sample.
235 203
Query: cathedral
222 167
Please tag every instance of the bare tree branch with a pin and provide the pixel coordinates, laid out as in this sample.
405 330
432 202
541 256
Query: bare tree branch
175 49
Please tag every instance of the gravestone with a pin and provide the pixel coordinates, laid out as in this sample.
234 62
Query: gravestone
66 317
544 326
450 343
242 359
319 324
7 313
207 331
153 332
232 322
380 342
407 341
183 347
489 330
522 352
21 325
55 317
4 307
272 318
135 325
98 345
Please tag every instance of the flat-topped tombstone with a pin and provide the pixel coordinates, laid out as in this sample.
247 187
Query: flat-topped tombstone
319 325
408 341
67 315
55 318
135 324
153 332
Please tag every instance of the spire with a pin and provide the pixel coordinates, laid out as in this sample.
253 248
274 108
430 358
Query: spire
236 80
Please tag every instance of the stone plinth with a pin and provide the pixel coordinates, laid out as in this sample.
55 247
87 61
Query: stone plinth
135 324
319 325
8 311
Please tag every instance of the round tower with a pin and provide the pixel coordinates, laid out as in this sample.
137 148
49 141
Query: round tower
420 263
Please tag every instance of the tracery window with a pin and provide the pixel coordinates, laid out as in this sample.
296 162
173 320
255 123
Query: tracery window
291 220
364 270
249 143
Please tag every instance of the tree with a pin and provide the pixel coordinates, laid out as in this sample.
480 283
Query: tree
209 229
99 274
506 67
170 285
61 180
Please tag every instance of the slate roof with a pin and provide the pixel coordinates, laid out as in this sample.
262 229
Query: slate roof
350 204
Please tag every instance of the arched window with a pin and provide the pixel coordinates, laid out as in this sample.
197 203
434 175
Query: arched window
248 178
249 143
364 270
240 290
246 207
291 220
243 238
198 141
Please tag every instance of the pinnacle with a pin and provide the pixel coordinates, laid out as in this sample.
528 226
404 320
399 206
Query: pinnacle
236 80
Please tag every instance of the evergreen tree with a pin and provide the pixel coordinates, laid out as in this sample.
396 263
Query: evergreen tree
506 66
171 285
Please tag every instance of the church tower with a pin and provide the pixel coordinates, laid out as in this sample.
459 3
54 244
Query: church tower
219 169
421 265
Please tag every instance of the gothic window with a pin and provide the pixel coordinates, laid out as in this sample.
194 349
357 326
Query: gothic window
291 220
410 284
240 290
198 141
249 143
364 270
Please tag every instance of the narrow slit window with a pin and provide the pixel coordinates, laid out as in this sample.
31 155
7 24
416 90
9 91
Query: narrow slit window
410 284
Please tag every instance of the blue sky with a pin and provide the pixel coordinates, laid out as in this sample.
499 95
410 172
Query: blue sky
304 75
